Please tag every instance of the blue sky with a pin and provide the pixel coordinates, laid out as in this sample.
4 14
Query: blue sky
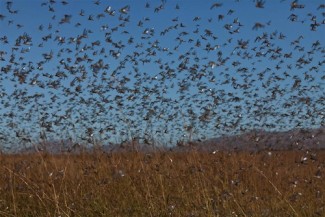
151 61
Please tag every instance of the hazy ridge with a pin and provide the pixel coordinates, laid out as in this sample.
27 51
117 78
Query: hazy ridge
256 140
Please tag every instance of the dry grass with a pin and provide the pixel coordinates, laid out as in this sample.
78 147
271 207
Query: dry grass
163 184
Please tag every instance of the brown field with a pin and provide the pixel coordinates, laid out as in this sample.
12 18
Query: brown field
163 184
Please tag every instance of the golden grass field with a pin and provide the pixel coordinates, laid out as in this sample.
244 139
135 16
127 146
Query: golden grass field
166 183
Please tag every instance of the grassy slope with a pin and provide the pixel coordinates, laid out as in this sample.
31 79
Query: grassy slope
163 184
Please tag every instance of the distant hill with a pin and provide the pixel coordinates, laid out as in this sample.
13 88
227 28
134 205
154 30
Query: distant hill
256 140
262 140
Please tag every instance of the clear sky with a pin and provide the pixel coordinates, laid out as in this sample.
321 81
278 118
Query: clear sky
160 70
